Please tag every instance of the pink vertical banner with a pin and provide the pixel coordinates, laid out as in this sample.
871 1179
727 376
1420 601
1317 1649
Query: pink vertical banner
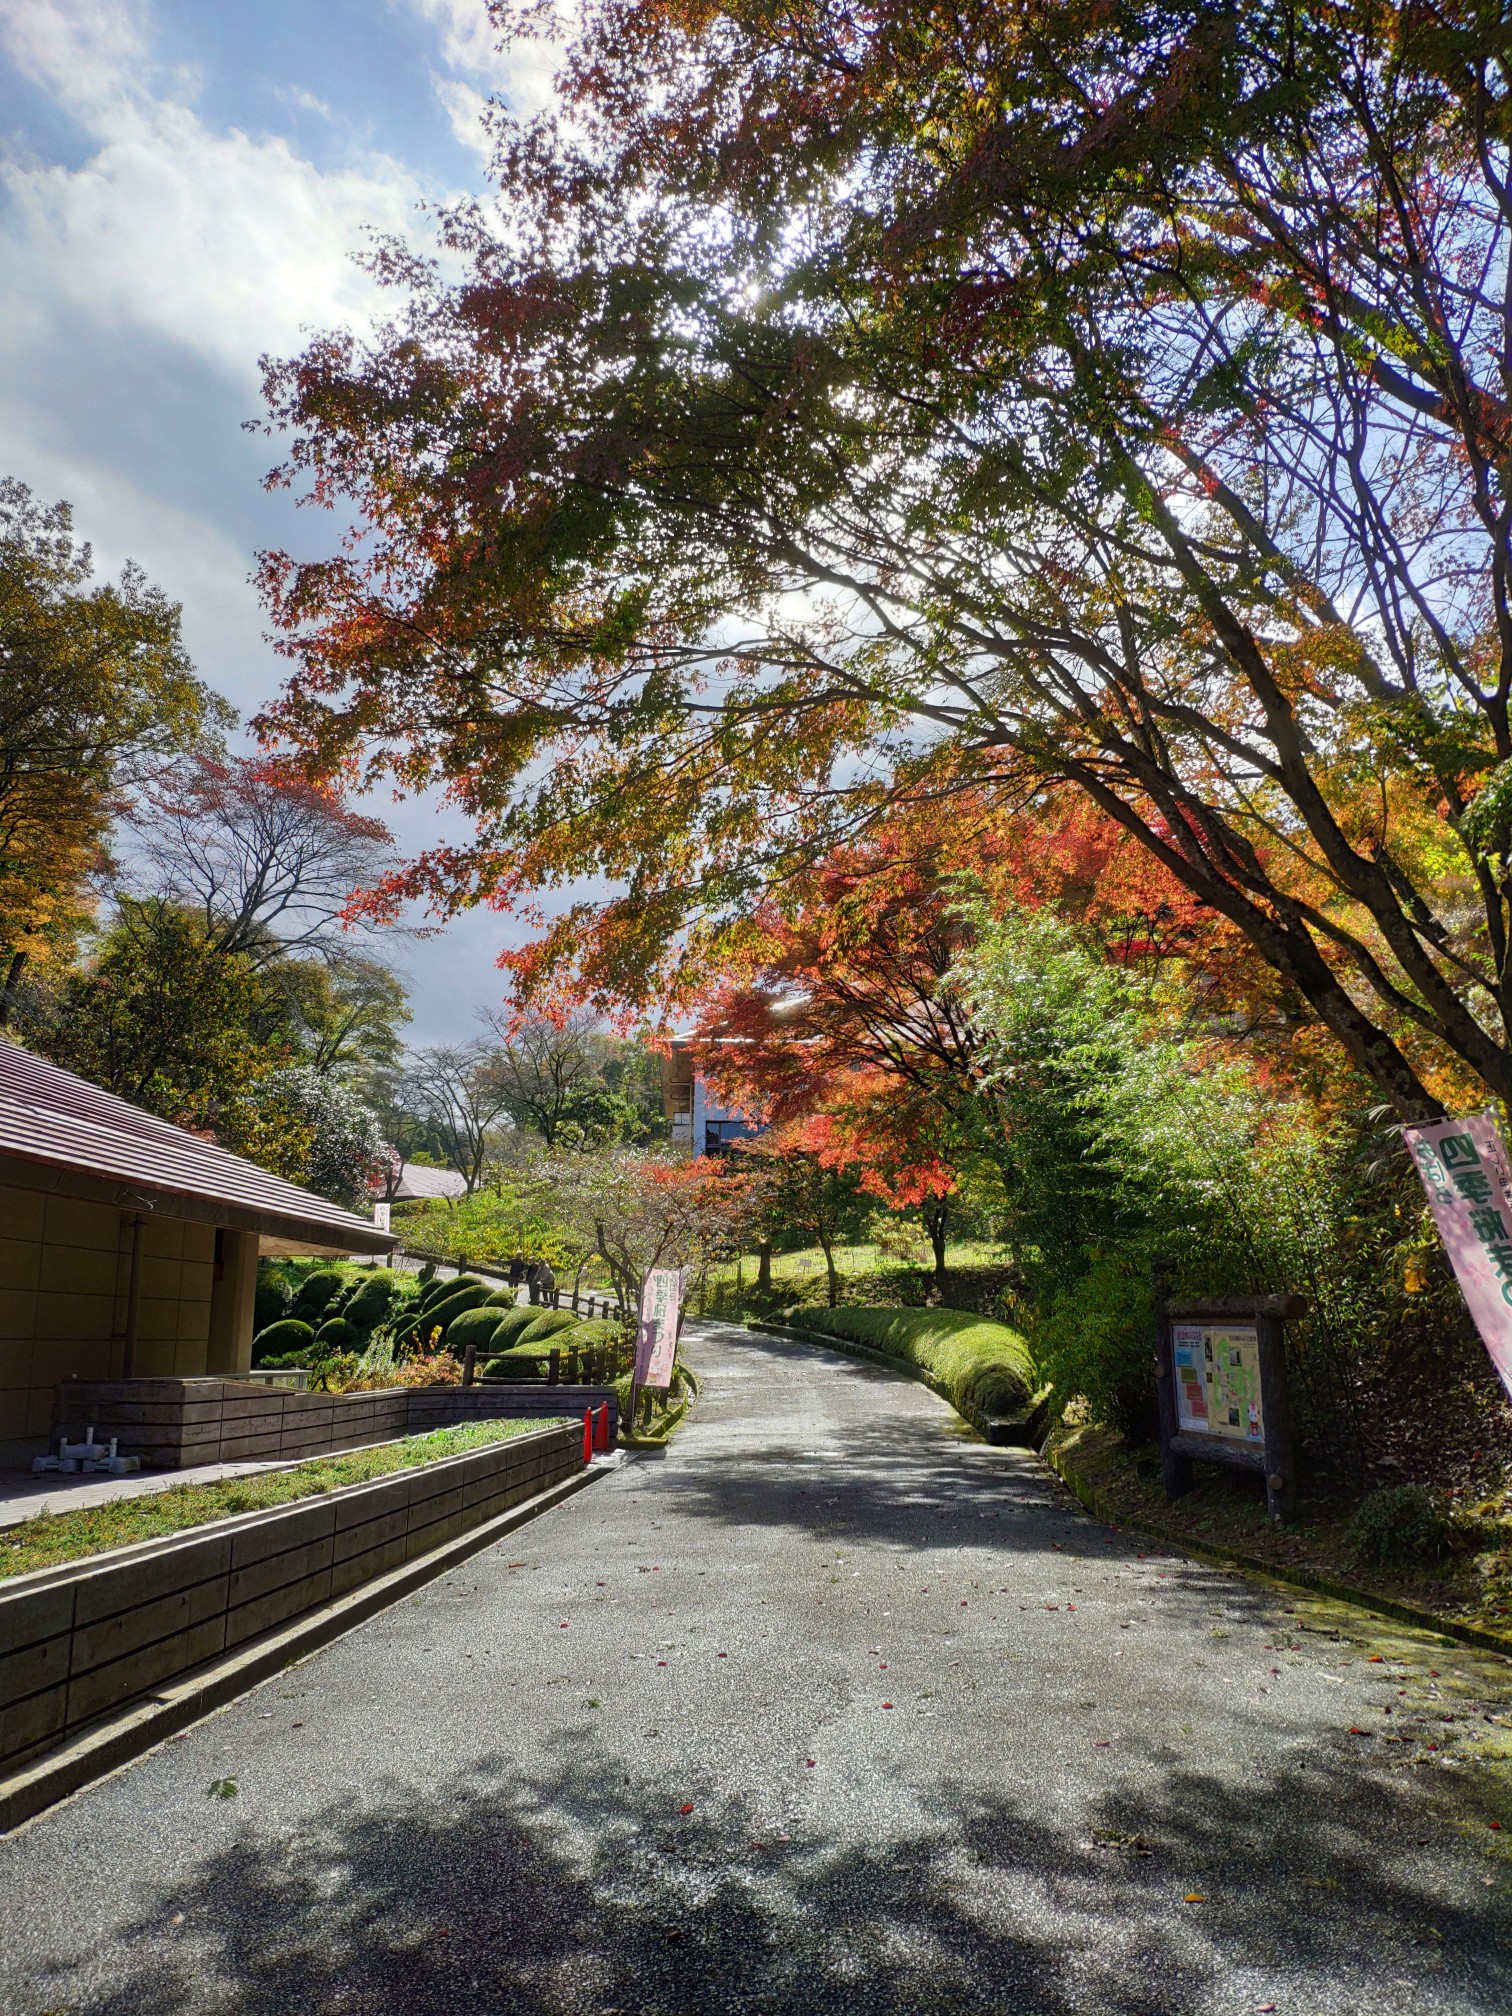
656 1343
1468 1178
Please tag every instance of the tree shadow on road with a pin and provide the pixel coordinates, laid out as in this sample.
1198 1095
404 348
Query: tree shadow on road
570 1891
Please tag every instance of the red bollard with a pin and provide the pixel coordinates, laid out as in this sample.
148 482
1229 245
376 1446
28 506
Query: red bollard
587 1434
601 1428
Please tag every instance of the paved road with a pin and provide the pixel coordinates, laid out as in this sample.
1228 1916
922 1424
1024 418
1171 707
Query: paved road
943 1743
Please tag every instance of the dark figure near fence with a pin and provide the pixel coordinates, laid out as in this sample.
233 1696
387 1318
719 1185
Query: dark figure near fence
516 1271
541 1282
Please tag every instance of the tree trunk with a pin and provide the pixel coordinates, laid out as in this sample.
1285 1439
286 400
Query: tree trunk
8 991
936 1218
829 1268
764 1267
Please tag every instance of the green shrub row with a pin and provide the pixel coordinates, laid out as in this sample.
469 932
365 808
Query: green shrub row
976 1362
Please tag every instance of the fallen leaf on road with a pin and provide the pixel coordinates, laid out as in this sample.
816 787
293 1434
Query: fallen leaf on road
887 1704
809 1762
1362 1732
223 1788
686 1809
1194 1897
1103 1745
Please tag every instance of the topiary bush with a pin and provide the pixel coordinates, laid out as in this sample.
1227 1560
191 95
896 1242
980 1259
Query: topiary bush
316 1292
512 1324
979 1363
336 1334
475 1327
1404 1523
514 1365
546 1323
287 1335
372 1299
443 1312
588 1333
270 1304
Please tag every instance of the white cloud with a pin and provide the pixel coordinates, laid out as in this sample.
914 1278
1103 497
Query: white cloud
141 282
477 69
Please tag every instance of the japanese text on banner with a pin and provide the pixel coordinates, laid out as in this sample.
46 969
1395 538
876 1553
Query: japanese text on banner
1468 1178
656 1344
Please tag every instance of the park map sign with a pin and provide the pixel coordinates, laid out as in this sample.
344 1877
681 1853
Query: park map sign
1221 1378
1465 1171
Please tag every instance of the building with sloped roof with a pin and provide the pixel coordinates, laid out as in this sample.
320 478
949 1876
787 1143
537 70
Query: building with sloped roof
128 1246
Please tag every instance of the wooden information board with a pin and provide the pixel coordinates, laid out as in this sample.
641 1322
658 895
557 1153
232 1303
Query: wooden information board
1221 1370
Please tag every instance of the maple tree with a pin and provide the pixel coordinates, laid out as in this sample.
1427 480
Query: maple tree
848 406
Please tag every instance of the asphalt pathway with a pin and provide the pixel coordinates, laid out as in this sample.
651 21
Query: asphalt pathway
829 1709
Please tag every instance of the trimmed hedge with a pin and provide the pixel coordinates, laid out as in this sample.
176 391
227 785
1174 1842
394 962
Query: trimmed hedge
976 1361
546 1323
511 1323
515 1365
443 1312
288 1335
316 1292
337 1334
372 1299
587 1333
475 1327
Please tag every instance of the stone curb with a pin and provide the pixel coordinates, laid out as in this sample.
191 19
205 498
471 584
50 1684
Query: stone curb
1002 1431
123 1737
1269 1571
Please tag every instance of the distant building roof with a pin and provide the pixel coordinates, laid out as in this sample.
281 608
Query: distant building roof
68 1135
416 1181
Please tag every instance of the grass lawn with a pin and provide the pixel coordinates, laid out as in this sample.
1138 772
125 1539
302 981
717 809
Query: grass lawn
852 1261
53 1538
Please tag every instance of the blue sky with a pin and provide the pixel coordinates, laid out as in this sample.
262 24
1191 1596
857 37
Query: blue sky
182 185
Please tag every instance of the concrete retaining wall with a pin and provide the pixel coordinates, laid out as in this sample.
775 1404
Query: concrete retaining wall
78 1642
173 1424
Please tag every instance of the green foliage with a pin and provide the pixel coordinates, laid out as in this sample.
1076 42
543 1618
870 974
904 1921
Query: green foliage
281 1338
344 1146
474 1326
336 1334
984 1364
439 1314
492 1227
96 692
270 1302
152 1016
512 1326
1404 1523
371 1299
546 1323
1124 1142
515 1365
318 1291
436 1290
588 1333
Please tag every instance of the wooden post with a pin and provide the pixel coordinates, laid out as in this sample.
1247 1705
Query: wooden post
572 1366
1175 1469
469 1364
1275 1408
554 1367
134 1296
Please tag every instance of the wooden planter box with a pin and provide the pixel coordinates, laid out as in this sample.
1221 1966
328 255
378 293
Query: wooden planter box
175 1424
82 1641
